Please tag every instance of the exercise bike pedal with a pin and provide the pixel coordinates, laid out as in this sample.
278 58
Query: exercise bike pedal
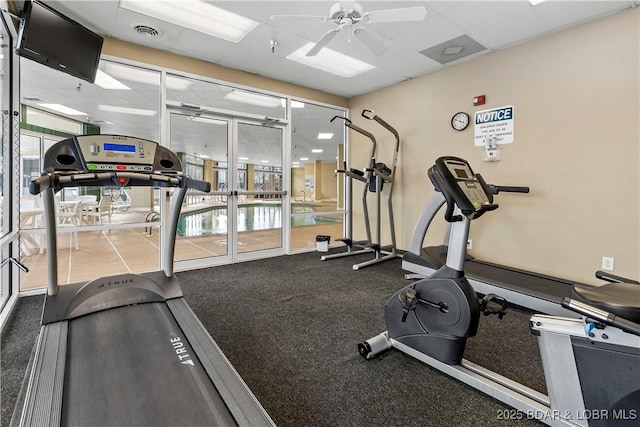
493 304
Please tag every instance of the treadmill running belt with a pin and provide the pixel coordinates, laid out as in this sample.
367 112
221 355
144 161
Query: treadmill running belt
540 286
132 366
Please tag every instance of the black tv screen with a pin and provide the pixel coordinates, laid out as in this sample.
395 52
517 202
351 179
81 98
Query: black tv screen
50 38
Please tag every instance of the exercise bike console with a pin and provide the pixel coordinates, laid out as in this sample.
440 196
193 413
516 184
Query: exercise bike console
454 178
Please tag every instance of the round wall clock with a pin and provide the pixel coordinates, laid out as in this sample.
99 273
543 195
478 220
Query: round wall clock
460 121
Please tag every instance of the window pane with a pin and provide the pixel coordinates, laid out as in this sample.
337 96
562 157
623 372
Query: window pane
5 92
6 175
133 108
317 191
207 94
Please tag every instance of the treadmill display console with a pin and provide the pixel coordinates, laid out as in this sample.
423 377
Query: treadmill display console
112 152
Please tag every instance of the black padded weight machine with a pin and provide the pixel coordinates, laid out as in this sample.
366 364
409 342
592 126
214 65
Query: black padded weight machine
126 349
591 364
374 177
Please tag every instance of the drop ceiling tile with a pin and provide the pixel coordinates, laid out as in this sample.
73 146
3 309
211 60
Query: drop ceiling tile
98 16
258 41
516 29
123 28
406 62
201 46
430 32
440 6
474 14
562 14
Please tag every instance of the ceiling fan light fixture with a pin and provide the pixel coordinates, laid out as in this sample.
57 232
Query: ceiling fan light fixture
195 15
330 61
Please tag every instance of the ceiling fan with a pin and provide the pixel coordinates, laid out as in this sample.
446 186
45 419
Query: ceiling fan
351 20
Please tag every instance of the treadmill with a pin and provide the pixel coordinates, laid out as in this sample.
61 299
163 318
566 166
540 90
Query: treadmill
532 290
126 349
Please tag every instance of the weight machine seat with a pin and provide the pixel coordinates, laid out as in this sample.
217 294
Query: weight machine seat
621 299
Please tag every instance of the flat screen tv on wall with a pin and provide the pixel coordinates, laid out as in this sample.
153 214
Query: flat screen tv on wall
52 39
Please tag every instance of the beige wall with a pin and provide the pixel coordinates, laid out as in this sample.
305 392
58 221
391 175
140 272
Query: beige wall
576 111
328 178
159 58
297 182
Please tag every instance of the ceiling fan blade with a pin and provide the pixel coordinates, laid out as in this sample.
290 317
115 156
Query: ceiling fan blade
404 14
308 18
369 41
323 42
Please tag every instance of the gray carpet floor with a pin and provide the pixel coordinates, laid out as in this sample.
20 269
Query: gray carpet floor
290 326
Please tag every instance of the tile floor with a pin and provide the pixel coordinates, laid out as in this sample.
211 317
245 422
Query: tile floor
115 251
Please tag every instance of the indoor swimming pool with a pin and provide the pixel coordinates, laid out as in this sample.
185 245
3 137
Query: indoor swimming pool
251 217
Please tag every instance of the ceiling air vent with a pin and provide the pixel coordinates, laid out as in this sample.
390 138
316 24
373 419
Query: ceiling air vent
146 30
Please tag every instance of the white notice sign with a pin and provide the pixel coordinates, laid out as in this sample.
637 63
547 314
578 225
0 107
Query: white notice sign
494 127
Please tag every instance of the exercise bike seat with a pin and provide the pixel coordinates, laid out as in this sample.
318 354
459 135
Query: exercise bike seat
621 299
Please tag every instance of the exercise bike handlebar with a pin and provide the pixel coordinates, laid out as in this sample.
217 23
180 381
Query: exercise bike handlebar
601 316
495 189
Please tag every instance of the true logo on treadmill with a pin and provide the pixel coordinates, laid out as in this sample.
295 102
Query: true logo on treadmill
181 351
115 283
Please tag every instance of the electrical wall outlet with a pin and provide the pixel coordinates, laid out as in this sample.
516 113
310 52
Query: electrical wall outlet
607 263
469 244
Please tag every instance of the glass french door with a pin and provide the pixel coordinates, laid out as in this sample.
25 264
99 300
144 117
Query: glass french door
259 187
241 217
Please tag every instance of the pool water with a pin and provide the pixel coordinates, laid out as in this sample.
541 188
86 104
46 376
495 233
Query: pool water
250 218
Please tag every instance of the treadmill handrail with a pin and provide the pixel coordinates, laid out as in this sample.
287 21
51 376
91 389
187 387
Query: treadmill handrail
59 180
51 182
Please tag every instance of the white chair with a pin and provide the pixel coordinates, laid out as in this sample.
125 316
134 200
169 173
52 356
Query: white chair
88 198
68 215
95 213
88 205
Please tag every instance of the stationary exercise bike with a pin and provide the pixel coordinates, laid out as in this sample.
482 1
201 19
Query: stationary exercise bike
591 364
